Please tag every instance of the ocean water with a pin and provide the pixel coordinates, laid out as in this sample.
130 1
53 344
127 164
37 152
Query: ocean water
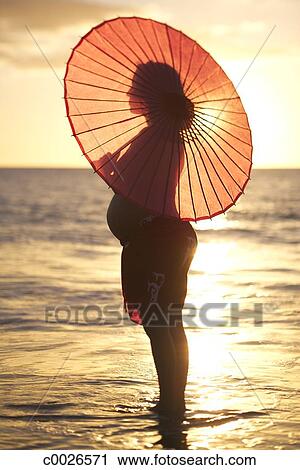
75 374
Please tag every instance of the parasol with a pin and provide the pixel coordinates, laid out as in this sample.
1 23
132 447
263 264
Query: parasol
158 119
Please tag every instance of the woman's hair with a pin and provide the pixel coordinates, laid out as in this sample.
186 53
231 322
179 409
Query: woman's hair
157 90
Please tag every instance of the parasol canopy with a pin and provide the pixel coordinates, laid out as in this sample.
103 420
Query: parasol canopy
158 119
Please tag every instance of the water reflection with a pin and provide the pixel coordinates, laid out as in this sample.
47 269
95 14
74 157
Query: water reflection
173 434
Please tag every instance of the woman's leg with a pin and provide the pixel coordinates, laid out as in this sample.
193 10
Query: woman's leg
165 360
141 284
168 342
154 272
182 364
170 353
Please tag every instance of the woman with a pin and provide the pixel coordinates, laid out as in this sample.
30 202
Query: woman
157 250
156 256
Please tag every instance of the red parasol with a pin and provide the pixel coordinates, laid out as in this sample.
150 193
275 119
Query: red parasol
158 118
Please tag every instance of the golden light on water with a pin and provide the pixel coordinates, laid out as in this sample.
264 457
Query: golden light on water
207 354
213 257
211 341
212 261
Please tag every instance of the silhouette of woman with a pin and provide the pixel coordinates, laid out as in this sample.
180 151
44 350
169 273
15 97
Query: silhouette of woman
157 250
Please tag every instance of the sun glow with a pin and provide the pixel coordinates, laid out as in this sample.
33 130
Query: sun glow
213 257
206 284
207 352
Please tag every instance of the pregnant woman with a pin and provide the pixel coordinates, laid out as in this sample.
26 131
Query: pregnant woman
156 256
157 250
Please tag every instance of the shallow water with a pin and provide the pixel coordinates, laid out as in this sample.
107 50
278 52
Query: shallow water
86 380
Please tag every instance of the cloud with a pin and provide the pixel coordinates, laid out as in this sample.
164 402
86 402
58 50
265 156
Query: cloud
52 14
56 23
245 27
234 30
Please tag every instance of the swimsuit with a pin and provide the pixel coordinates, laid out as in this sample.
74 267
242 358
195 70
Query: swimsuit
156 256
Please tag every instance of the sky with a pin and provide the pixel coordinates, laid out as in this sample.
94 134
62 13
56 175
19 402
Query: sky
34 129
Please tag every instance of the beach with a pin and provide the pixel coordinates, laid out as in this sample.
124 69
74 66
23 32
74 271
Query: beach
76 373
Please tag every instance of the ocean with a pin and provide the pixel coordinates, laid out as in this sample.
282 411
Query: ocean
76 373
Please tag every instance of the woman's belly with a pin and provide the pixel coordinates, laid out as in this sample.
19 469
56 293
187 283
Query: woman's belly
124 218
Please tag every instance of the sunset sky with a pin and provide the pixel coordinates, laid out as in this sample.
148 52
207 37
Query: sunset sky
34 129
